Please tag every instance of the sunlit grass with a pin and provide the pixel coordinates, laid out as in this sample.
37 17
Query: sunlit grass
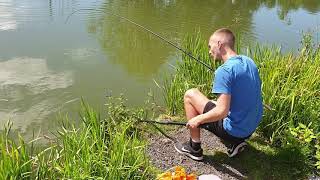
189 74
109 148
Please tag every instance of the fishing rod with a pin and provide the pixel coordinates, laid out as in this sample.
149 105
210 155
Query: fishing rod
148 30
166 122
157 35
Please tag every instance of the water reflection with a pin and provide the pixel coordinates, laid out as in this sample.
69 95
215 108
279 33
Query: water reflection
125 44
7 20
30 91
286 6
115 54
142 54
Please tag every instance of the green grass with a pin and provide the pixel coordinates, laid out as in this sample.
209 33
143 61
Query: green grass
110 148
291 85
261 161
15 162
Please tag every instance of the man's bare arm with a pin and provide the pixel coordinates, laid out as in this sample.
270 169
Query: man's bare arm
219 112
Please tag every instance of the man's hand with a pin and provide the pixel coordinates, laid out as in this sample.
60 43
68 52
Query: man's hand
194 122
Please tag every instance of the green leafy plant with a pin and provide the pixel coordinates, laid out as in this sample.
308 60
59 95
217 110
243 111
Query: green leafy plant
308 140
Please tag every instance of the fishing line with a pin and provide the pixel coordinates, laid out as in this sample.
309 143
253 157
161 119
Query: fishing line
168 122
165 134
148 30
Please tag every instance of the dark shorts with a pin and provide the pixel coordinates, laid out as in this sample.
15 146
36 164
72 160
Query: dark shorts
217 127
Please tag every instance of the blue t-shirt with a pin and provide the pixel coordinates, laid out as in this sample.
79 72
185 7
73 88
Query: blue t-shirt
239 77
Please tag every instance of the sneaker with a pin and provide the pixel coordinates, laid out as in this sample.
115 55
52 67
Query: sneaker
186 149
236 148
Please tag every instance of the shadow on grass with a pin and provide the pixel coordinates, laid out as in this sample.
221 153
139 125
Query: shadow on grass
260 161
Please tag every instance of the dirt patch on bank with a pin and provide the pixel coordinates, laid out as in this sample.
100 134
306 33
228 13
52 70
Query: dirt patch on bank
164 156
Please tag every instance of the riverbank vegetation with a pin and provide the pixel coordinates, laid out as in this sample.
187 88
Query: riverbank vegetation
290 87
114 147
101 148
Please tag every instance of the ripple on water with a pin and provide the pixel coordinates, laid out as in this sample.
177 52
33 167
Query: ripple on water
29 90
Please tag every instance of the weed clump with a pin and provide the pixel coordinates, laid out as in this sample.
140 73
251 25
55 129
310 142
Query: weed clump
101 148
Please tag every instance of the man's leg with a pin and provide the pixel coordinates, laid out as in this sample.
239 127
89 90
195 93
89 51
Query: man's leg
194 103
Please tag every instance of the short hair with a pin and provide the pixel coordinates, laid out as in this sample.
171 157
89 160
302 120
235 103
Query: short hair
228 36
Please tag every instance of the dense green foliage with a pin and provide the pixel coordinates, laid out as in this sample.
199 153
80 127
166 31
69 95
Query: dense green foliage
308 140
109 148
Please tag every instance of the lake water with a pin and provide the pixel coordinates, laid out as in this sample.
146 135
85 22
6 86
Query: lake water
48 64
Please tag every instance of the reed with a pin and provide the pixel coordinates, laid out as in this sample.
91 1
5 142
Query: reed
189 74
291 85
110 148
15 161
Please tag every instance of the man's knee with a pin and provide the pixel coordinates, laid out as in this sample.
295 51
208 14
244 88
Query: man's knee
190 94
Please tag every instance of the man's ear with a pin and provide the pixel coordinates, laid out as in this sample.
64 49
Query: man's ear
220 44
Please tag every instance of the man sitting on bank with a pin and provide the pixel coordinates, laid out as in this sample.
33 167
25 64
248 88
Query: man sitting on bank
238 110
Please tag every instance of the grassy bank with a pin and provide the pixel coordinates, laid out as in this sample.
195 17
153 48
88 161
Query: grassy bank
113 147
101 148
290 86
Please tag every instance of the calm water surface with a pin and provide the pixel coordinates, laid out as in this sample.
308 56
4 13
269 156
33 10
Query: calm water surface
47 65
